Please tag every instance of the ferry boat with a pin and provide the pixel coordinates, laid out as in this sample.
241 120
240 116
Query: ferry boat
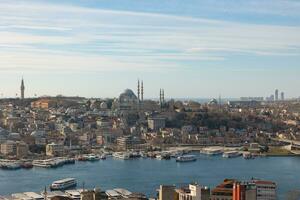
248 155
211 152
120 155
63 184
103 157
186 158
231 154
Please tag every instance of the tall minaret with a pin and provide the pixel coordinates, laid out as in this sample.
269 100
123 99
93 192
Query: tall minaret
138 90
22 89
160 96
163 95
142 92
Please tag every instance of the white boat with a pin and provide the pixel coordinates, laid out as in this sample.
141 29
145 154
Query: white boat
121 155
43 163
186 158
248 155
63 184
231 154
211 152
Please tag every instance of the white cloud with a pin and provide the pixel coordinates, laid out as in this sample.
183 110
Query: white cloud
46 37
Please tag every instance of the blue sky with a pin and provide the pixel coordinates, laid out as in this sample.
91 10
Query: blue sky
194 48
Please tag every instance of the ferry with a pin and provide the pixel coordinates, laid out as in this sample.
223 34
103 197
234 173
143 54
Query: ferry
120 155
186 158
248 155
63 184
211 152
231 154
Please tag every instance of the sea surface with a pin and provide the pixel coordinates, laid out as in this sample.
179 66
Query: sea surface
145 175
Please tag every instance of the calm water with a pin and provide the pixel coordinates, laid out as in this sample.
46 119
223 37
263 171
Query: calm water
145 175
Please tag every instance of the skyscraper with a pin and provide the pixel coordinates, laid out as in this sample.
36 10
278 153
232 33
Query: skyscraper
22 89
276 95
282 96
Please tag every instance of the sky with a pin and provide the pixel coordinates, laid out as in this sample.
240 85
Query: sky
192 48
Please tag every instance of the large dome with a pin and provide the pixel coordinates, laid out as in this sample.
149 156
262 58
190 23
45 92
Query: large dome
127 95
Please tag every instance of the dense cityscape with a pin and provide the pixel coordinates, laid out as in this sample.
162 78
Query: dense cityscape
149 100
49 132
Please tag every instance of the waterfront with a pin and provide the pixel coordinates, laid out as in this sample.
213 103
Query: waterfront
145 175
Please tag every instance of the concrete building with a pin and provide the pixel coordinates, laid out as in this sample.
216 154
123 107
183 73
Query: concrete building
266 190
244 191
282 96
54 149
167 192
8 148
194 192
223 191
21 150
156 123
276 95
125 142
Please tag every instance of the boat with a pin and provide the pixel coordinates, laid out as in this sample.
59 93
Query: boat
120 155
63 184
186 158
11 166
92 157
103 157
231 154
27 165
248 155
211 152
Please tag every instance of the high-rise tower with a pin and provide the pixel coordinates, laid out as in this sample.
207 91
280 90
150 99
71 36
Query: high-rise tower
22 89
282 96
276 95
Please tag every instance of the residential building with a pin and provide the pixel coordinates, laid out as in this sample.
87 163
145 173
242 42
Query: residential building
54 149
156 123
167 192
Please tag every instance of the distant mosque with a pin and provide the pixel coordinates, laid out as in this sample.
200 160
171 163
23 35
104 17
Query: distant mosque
128 100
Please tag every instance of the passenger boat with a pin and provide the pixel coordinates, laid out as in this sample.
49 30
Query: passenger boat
120 155
231 154
248 155
211 152
27 165
63 184
186 158
103 157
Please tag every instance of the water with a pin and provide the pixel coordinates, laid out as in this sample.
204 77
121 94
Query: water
145 175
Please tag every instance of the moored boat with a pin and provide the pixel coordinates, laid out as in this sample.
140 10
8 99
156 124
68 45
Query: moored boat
231 154
64 184
121 155
186 158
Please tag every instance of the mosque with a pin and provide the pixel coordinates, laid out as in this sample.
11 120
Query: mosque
129 101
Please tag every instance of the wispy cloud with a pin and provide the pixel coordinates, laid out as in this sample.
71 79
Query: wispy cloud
64 37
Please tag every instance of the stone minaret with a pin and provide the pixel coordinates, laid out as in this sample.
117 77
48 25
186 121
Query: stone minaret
142 92
22 89
138 90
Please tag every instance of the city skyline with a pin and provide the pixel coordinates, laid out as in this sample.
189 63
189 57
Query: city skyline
99 48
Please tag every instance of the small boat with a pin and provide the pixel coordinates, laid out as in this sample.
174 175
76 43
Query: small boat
248 155
64 184
12 166
92 157
186 158
103 157
231 154
27 165
120 155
